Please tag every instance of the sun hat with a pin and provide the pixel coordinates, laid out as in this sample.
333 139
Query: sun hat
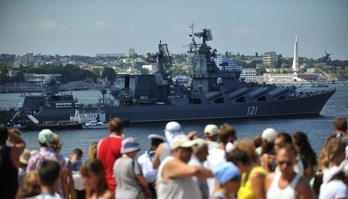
155 136
45 136
226 172
269 135
181 141
25 156
129 145
211 130
173 127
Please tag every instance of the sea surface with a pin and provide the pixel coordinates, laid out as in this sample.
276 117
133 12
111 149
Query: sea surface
317 128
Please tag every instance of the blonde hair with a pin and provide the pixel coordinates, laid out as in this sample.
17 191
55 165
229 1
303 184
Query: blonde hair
92 150
332 148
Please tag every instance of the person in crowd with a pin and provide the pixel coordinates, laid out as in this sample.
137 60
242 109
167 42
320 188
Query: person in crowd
76 159
331 156
286 183
127 172
282 138
30 186
92 150
174 174
211 133
337 187
45 137
258 144
216 155
146 162
76 163
49 175
109 150
268 153
56 145
227 177
306 153
253 175
199 156
23 163
9 162
171 130
340 127
94 179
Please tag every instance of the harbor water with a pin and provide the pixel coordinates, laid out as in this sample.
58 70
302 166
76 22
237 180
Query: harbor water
317 128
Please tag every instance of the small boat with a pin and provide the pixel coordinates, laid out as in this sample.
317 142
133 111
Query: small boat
95 125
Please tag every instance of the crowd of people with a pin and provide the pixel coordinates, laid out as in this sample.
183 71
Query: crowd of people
213 164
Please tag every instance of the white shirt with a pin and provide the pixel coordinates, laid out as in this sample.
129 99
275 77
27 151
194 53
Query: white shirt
215 158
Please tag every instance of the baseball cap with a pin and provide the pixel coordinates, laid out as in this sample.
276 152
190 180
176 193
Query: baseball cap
226 172
211 130
181 141
45 136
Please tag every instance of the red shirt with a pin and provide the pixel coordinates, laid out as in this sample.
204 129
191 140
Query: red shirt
109 150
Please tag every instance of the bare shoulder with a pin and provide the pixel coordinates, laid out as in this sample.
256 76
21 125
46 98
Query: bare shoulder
108 195
303 189
268 180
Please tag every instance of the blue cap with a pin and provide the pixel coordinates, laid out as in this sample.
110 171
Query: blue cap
226 172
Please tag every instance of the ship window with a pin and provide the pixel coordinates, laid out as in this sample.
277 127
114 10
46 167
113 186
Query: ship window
240 99
261 99
219 100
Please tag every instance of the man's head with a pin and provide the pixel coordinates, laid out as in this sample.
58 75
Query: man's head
211 132
55 144
200 149
116 126
181 147
3 134
286 158
77 154
227 134
340 124
49 172
281 139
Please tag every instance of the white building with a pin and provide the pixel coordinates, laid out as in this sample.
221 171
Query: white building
38 79
249 75
228 64
269 58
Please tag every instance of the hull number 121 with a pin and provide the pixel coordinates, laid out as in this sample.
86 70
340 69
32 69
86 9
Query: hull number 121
252 110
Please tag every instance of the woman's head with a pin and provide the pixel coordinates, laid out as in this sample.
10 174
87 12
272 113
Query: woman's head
92 150
332 152
93 176
248 146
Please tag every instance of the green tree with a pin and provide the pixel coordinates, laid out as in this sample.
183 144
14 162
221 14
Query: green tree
261 70
19 77
109 72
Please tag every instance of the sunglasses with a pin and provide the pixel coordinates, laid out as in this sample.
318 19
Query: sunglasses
288 163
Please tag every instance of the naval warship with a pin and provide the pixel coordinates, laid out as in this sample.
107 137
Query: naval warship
213 92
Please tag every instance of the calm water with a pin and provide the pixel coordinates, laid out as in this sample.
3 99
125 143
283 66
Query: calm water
317 128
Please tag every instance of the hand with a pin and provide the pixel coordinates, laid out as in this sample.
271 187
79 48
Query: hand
147 193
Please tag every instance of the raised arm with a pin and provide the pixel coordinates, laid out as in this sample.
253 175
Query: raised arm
18 146
156 158
178 169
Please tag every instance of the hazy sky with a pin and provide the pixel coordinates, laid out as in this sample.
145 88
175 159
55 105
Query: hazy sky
86 27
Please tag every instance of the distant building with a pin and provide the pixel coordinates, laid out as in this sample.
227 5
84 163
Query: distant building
269 58
249 74
116 55
38 79
151 67
222 61
131 52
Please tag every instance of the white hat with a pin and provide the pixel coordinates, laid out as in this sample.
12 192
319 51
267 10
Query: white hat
45 136
269 135
129 145
25 156
211 130
155 136
173 127
181 141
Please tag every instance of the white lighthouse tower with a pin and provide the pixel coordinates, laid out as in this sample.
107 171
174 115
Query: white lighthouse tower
295 62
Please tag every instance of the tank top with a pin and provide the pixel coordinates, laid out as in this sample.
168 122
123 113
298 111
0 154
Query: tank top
180 188
286 193
245 190
8 174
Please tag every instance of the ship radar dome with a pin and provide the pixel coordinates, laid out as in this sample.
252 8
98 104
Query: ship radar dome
50 80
